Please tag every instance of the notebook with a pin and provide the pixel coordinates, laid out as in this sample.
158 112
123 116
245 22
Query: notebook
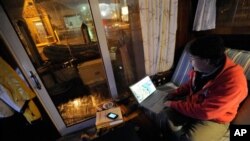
147 95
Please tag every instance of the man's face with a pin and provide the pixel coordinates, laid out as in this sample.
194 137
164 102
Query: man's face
200 64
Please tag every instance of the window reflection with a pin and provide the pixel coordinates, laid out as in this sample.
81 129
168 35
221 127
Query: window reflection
115 19
60 38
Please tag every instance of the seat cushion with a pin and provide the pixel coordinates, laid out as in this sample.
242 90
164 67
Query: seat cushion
240 57
181 73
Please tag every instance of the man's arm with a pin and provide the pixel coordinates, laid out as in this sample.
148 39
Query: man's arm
179 93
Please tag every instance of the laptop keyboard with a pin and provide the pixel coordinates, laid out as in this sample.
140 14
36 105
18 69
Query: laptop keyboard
155 98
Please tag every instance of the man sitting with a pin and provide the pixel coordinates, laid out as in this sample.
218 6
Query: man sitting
202 108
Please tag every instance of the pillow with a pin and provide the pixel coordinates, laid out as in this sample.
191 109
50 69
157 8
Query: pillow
241 57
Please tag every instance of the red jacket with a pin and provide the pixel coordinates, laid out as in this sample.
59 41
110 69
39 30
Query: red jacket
219 99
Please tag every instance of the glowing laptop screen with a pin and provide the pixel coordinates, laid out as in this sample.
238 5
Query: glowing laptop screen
143 89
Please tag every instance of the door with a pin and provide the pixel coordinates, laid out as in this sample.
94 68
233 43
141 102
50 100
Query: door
76 54
69 75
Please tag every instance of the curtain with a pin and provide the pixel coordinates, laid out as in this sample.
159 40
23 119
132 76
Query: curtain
158 23
205 16
16 94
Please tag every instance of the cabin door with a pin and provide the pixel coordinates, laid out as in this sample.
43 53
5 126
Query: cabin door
56 44
76 54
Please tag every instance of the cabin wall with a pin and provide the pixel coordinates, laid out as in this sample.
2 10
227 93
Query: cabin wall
184 33
234 35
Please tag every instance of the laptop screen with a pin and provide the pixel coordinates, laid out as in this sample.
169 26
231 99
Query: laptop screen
143 89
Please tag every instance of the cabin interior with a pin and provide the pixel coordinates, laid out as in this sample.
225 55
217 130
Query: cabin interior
77 54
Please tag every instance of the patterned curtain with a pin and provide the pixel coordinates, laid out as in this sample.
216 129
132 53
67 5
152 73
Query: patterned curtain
158 23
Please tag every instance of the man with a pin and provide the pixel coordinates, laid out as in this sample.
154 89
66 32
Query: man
211 97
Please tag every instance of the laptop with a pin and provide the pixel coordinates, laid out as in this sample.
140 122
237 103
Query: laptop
148 96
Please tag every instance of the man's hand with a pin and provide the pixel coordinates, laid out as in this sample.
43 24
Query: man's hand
170 96
167 103
174 97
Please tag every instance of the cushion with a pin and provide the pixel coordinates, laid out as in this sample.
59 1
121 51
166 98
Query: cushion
242 58
181 73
